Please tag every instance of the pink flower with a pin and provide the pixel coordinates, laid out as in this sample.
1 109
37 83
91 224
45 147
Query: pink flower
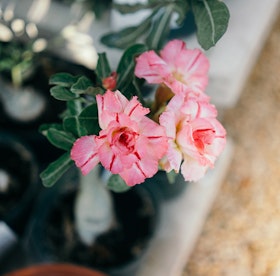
196 138
129 143
181 69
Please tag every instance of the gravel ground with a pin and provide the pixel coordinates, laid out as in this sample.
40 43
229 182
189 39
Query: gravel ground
242 233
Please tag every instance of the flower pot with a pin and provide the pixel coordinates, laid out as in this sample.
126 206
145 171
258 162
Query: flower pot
55 270
19 181
118 251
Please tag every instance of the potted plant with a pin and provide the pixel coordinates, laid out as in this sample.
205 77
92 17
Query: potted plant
149 116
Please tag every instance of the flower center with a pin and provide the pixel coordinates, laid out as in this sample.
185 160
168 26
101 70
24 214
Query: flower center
178 76
203 137
124 140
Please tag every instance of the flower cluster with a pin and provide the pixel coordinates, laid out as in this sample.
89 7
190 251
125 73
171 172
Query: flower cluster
179 131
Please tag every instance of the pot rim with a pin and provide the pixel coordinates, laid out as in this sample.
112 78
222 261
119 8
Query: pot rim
55 269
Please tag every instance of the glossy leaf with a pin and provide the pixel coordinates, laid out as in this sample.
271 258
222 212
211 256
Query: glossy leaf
56 169
211 17
126 66
88 120
63 79
103 68
73 125
82 85
60 139
74 107
117 184
62 93
45 127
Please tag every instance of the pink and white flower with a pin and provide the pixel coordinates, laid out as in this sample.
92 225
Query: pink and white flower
129 143
196 138
182 70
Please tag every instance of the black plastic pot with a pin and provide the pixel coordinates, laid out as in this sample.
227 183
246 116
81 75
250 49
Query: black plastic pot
52 237
19 181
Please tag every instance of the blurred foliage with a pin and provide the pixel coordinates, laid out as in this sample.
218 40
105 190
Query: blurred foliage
211 19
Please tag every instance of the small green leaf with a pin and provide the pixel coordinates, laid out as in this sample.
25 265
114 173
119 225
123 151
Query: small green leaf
62 93
117 184
211 18
103 69
88 119
126 67
73 125
81 86
56 169
63 79
93 91
60 139
45 127
74 107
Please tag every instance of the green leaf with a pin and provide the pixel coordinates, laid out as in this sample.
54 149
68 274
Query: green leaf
126 66
103 69
73 125
82 85
181 7
62 93
127 36
45 127
117 184
211 18
56 169
74 107
63 79
88 120
86 123
93 91
160 28
60 139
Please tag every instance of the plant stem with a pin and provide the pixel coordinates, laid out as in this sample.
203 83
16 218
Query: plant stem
93 207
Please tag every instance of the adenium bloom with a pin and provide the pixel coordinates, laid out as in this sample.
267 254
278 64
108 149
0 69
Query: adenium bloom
196 138
129 143
181 69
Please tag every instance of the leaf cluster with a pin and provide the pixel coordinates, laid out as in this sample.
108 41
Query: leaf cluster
211 19
81 115
17 60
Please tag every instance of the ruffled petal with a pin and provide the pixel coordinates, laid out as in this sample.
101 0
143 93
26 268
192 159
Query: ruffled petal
84 153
